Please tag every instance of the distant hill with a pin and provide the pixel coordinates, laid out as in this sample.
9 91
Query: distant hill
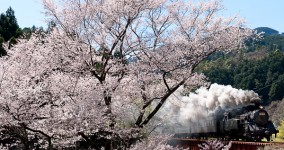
267 30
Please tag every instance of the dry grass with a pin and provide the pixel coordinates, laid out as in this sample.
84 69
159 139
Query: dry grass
273 147
278 140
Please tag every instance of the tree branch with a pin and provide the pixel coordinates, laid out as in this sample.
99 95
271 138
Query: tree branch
162 101
38 131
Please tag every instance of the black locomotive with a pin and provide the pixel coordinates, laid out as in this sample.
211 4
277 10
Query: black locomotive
250 123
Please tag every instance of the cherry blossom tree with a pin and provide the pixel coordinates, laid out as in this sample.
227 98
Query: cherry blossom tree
107 67
215 144
154 143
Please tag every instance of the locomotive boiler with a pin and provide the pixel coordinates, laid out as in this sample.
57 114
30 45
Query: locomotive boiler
250 123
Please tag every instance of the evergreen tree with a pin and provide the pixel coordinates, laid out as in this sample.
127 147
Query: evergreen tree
8 25
9 29
2 50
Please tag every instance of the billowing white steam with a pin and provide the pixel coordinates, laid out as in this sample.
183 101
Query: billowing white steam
204 102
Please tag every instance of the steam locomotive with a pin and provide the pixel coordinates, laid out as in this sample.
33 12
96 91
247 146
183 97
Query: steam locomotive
250 123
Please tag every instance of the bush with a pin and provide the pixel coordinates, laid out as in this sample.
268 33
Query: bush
215 145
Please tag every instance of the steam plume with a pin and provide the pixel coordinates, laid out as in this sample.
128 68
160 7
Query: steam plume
204 102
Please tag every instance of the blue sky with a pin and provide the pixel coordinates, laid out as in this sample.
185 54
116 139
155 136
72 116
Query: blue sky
28 12
258 13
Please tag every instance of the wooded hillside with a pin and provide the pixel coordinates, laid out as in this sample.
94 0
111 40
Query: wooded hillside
258 67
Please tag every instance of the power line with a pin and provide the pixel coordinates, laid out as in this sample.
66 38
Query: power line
270 84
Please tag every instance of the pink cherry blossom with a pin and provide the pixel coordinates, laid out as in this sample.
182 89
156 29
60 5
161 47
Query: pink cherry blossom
110 65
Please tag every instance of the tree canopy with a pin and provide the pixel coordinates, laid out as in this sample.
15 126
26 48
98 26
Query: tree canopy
75 83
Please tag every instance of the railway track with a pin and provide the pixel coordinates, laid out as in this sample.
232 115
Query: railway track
192 144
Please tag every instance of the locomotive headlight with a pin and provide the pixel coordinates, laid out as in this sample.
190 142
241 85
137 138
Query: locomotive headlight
267 133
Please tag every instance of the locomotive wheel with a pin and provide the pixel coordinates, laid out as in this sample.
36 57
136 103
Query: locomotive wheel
268 138
249 139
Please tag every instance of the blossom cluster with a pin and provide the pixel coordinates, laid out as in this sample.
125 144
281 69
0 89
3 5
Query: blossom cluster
108 65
